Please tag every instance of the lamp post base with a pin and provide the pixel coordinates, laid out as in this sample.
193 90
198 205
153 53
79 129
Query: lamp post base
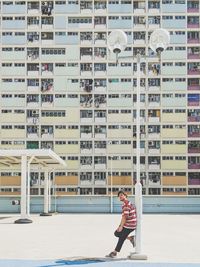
23 221
45 214
137 256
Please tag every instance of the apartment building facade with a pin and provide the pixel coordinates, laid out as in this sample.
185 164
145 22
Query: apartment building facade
62 89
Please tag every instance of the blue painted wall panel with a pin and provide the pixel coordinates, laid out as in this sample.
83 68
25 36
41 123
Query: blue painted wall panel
101 204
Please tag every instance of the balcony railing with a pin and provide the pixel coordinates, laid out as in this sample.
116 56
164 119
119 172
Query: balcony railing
194 72
193 25
193 40
194 150
193 9
193 103
193 56
194 134
194 119
194 181
194 166
194 87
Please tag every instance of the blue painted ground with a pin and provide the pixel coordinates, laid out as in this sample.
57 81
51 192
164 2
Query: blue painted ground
90 263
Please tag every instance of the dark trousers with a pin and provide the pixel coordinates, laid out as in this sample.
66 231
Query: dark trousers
122 237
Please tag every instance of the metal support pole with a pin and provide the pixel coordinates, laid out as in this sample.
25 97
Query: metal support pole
28 185
50 186
24 217
46 195
49 192
111 187
138 186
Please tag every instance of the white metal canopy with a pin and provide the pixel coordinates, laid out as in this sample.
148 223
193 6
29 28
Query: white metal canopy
44 157
49 160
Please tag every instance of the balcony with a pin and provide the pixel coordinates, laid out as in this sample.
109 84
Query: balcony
139 7
46 8
32 144
99 38
32 131
33 8
193 10
100 23
86 147
86 69
99 166
194 72
194 87
193 181
154 22
154 166
193 25
194 166
194 134
47 132
33 37
86 7
86 166
100 85
193 149
194 118
193 56
100 7
86 54
193 84
194 69
193 40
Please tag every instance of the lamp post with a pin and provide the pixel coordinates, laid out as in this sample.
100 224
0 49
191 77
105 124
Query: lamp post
117 42
111 186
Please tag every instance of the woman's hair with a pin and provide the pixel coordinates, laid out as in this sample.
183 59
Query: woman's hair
121 192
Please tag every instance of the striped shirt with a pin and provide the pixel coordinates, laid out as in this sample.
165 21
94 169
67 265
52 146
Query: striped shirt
129 211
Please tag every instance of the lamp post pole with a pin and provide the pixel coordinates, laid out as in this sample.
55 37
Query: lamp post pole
111 187
117 42
138 186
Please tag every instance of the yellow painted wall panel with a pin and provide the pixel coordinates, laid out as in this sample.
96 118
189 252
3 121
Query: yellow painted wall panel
66 133
72 164
66 180
72 115
121 164
49 120
18 146
174 165
119 149
10 117
173 133
174 149
10 193
120 180
119 117
120 134
174 180
10 180
5 134
67 149
173 117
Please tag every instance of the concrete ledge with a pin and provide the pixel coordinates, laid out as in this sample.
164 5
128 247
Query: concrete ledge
136 256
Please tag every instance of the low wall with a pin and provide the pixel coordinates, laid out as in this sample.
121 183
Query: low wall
102 204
